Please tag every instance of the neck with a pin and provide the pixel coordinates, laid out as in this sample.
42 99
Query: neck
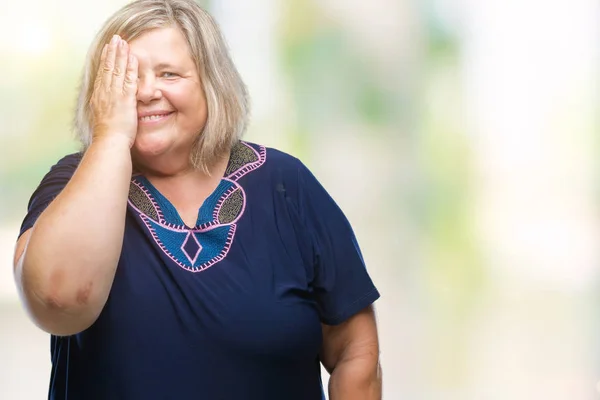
178 169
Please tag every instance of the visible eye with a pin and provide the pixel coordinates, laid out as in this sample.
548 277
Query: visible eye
169 75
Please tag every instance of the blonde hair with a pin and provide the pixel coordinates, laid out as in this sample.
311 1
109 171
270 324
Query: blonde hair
226 95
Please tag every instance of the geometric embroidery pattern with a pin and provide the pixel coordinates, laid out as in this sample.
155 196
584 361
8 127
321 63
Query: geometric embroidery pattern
197 248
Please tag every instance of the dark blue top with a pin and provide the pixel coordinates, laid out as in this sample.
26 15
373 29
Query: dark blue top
229 309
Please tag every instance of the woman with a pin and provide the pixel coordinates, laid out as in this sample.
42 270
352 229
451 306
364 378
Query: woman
171 260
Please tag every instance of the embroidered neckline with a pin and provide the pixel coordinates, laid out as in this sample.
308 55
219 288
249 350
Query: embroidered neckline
208 242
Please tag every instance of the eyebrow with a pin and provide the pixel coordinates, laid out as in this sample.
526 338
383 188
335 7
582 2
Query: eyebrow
165 66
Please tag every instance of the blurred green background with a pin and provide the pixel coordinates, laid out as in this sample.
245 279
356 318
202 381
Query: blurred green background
458 136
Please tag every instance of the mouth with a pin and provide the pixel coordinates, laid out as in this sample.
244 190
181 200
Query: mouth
154 118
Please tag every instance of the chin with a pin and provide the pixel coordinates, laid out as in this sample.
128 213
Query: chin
151 144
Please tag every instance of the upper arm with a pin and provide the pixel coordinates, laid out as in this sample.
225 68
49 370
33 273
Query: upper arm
50 186
355 338
342 288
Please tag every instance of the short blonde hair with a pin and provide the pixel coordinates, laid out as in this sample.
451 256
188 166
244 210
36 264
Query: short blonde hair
226 94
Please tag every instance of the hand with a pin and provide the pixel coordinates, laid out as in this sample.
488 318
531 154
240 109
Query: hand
113 102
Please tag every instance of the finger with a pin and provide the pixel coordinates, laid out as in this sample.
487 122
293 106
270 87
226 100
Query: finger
131 76
120 66
98 80
109 62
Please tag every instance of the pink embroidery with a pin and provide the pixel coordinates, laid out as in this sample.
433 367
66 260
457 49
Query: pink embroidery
225 196
161 218
192 268
191 236
190 259
243 170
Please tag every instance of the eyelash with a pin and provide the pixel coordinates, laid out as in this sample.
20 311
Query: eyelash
173 75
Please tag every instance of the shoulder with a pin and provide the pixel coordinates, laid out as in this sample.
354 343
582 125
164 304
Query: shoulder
278 161
290 172
273 155
282 171
63 168
54 180
68 161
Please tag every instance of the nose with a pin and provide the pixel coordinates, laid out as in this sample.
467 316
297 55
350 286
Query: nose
147 90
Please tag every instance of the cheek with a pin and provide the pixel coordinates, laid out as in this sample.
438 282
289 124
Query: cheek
186 100
191 112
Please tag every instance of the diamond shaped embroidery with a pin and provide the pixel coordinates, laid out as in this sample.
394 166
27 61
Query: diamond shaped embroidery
191 247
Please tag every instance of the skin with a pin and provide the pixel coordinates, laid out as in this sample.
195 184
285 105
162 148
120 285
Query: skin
350 353
64 285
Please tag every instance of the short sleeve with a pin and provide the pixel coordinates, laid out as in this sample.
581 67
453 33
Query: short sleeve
50 186
342 285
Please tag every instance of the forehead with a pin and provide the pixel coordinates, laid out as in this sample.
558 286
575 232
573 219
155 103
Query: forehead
162 45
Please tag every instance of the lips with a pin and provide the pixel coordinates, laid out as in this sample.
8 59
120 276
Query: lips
153 116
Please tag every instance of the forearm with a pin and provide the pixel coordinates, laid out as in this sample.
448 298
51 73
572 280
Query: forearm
357 379
68 266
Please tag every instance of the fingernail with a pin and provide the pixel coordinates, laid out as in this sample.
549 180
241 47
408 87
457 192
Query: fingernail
114 39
